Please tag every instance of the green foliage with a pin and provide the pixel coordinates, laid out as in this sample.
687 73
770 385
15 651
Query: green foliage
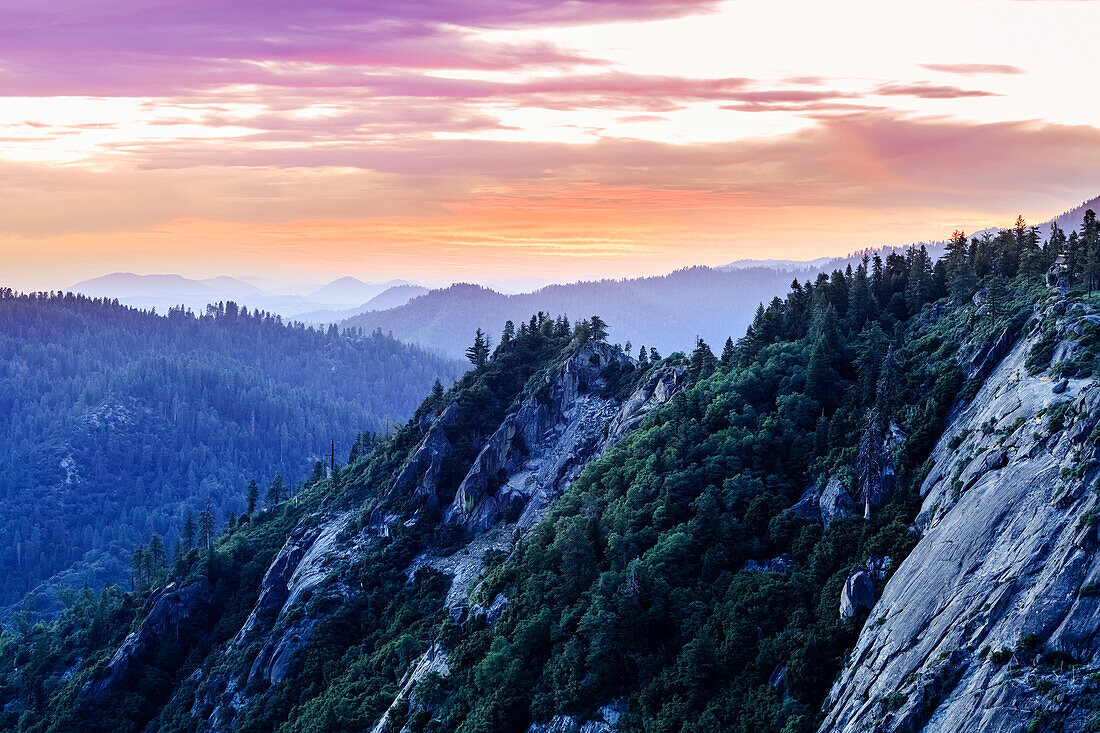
1042 351
115 422
633 587
1056 416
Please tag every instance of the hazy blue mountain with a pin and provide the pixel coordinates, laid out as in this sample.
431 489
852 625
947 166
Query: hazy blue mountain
351 291
394 296
167 291
391 297
130 285
667 312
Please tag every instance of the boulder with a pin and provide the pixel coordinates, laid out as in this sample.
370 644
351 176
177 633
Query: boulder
835 502
858 593
1060 387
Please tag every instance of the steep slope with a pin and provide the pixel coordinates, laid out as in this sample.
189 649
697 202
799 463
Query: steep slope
990 623
570 539
519 469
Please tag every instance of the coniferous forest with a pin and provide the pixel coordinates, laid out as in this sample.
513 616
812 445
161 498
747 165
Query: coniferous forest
688 579
117 424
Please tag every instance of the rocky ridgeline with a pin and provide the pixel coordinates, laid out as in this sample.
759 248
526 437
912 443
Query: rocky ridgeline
527 462
990 624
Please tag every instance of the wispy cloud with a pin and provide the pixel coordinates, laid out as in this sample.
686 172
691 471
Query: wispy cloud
972 69
927 90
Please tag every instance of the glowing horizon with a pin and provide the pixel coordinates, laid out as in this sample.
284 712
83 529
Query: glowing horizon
568 139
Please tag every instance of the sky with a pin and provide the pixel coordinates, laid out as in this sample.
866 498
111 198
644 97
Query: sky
528 139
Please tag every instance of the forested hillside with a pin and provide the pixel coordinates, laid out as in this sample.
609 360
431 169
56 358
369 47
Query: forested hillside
115 422
572 535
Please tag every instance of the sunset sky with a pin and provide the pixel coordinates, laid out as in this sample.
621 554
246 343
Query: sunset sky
453 139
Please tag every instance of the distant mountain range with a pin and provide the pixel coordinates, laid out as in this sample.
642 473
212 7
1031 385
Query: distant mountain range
335 301
666 312
391 297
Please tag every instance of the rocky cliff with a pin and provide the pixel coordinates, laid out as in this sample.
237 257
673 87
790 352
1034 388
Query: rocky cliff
990 624
565 418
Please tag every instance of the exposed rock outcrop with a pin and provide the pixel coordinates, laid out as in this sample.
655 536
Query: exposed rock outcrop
835 502
427 463
990 354
306 560
1002 576
541 446
537 451
858 594
605 721
174 613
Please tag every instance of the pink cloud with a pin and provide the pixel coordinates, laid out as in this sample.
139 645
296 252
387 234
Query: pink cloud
128 47
971 69
926 90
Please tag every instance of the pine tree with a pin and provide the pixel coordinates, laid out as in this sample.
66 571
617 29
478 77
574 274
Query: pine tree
509 333
1090 246
137 569
1075 259
252 495
702 363
643 357
887 388
276 492
187 535
437 393
918 285
206 526
599 328
870 461
157 558
478 353
728 353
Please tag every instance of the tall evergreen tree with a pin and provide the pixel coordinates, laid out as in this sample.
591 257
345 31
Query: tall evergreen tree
870 461
728 353
251 496
1089 242
157 558
478 353
599 328
187 535
206 527
276 492
702 362
137 569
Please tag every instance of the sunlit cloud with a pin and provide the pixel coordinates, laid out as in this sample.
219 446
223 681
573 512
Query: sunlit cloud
563 136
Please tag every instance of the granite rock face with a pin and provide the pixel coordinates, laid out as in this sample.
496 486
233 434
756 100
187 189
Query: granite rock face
170 615
835 502
998 589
